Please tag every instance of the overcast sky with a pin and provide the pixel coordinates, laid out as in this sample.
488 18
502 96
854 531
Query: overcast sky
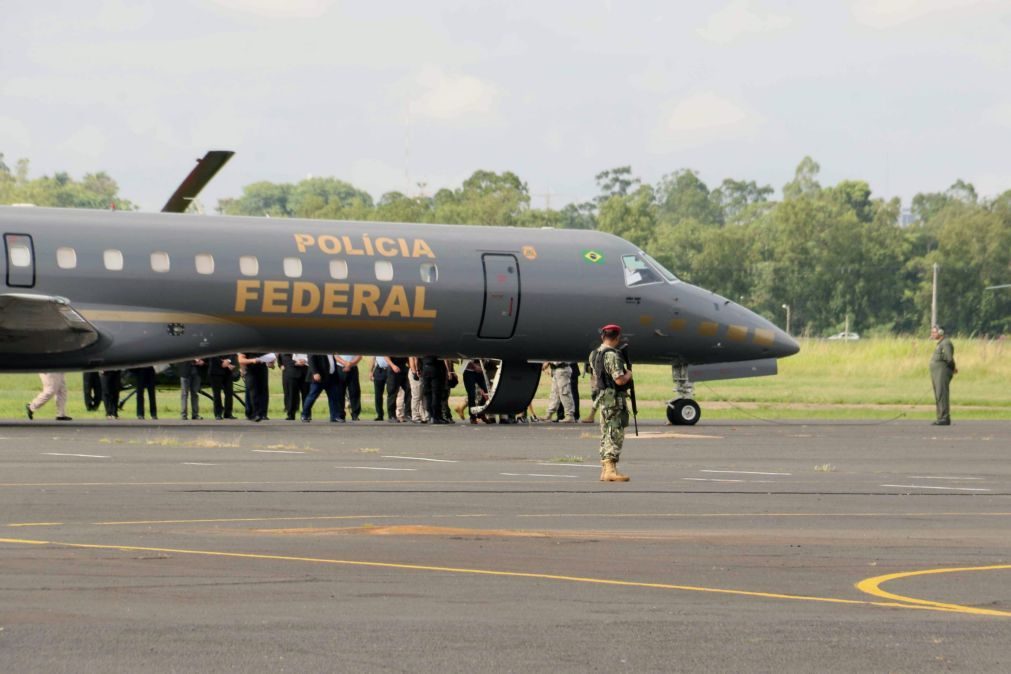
906 94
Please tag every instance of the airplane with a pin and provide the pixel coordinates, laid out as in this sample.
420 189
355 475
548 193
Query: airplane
96 290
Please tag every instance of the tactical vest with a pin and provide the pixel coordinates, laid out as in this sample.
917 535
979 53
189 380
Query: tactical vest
603 379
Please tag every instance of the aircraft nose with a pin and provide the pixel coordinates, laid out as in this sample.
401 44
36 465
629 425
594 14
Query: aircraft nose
783 345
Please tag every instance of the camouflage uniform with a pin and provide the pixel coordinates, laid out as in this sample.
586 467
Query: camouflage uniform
561 390
942 367
613 409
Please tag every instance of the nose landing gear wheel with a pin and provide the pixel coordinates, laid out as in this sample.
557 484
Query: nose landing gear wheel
683 412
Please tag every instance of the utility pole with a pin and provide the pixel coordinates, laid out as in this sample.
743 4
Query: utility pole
933 298
787 307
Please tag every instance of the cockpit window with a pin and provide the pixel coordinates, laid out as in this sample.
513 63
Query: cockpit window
660 268
638 272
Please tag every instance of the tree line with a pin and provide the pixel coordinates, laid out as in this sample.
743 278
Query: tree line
828 252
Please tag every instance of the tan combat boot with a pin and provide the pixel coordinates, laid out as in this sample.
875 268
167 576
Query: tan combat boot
611 473
603 470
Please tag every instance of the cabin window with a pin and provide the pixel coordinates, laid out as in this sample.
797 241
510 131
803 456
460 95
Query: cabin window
249 265
66 258
293 267
20 255
205 263
113 259
429 272
160 262
638 272
384 270
338 269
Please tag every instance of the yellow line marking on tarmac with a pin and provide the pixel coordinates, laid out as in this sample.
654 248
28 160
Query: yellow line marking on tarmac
35 524
872 586
947 608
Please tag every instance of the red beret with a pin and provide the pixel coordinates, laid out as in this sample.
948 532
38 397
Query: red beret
611 328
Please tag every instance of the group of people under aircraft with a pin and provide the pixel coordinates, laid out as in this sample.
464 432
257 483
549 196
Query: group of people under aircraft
405 388
416 389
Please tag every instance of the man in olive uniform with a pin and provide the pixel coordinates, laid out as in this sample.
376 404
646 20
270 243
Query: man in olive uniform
612 376
942 369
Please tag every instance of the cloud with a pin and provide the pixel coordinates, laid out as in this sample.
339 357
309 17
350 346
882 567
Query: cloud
738 19
454 97
702 118
881 14
999 115
88 141
299 9
16 137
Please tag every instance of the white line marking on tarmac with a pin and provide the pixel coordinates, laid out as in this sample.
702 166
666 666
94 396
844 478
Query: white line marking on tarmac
571 465
535 475
743 472
276 451
921 486
194 463
710 479
419 458
941 477
377 468
87 456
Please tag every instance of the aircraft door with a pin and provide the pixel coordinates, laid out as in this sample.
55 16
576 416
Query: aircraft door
501 296
20 260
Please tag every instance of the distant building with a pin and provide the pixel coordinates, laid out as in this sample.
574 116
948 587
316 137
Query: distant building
906 217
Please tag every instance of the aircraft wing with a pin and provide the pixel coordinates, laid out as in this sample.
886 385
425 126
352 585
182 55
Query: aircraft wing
201 174
762 367
42 324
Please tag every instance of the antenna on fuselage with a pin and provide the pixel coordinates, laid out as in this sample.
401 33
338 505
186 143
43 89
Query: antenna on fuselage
202 173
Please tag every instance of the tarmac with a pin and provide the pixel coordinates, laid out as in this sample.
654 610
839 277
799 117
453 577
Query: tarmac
377 547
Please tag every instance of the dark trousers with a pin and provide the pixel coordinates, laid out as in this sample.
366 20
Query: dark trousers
435 388
256 390
378 387
349 386
92 391
296 387
473 382
222 385
395 382
111 384
315 389
143 381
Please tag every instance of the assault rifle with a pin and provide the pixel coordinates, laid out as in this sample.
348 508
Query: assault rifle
623 350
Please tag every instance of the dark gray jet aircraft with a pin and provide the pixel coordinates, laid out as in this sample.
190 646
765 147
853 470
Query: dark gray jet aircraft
92 290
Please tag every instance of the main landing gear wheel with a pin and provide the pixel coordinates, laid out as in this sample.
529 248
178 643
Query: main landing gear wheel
683 412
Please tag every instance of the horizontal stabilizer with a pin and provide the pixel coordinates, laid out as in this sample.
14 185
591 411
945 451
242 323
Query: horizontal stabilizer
763 367
38 324
198 178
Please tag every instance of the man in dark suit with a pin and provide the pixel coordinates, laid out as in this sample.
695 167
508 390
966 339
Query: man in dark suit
295 380
221 371
257 379
322 377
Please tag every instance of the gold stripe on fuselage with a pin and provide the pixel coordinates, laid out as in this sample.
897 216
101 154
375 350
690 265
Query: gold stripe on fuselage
161 317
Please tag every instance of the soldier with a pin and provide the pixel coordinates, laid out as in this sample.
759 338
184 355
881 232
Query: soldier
612 376
561 391
942 369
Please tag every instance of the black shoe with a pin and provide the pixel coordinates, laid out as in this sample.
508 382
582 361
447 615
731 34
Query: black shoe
258 419
229 416
217 417
196 417
306 419
64 418
141 417
183 417
378 419
290 417
28 409
941 423
392 420
354 418
154 418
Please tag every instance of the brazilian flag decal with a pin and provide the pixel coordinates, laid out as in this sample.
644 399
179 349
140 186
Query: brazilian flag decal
593 256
